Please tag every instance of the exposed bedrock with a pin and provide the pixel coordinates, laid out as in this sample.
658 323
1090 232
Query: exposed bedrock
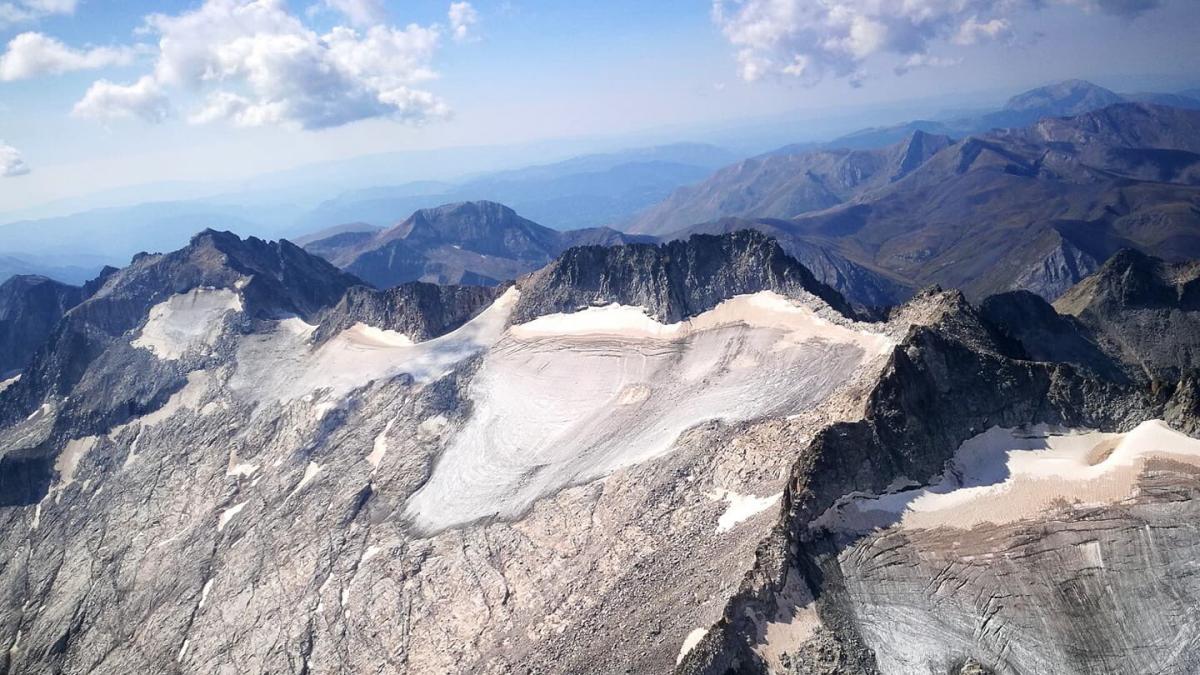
816 604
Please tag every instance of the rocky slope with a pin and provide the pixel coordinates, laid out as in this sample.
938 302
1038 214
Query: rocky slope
476 243
236 458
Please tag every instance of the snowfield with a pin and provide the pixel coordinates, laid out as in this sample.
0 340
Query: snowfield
282 366
1007 475
187 321
570 398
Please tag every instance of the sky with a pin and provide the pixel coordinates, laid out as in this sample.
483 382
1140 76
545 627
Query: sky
98 94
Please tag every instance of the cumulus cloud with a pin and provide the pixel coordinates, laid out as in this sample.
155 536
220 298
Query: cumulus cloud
11 162
23 11
107 101
463 19
254 63
34 54
809 40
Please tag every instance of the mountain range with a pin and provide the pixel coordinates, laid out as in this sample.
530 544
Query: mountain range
582 192
690 457
1034 208
1061 99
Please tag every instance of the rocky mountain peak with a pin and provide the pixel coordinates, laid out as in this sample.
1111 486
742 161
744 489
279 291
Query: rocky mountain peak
482 225
272 280
1130 279
916 149
673 281
1069 97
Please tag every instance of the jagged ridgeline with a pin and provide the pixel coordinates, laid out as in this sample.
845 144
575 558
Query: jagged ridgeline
693 456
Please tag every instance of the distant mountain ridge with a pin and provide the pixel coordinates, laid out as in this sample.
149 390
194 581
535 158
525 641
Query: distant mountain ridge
1035 208
787 185
1062 99
585 191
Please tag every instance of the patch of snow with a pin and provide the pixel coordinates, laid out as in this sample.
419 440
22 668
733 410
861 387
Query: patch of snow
566 399
5 384
186 321
1007 475
689 643
380 447
361 333
68 460
371 552
44 409
322 409
432 427
228 514
310 472
743 507
204 593
188 397
183 650
241 470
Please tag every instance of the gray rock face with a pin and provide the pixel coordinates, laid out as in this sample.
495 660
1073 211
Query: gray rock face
673 281
419 310
1144 310
29 309
1058 270
861 286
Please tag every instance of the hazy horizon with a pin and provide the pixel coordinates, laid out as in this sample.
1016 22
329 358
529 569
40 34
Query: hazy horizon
98 98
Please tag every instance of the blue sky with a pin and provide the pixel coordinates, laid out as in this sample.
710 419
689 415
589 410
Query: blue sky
177 105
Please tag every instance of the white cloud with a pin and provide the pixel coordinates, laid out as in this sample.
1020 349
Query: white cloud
813 39
254 63
973 30
34 54
24 11
360 12
108 101
463 19
11 162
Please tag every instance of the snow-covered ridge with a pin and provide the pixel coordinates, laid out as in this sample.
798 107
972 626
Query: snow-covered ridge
569 398
765 309
1007 475
282 366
